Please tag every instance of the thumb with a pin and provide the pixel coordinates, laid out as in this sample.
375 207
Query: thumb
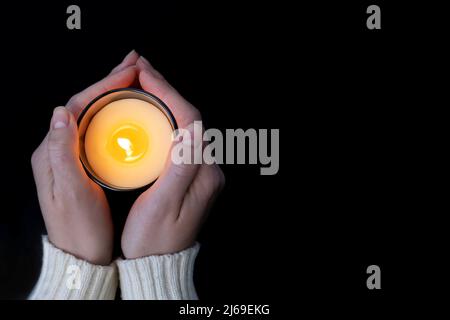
183 162
63 146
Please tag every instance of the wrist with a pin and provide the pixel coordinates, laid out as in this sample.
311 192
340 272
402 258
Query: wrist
100 255
64 276
133 249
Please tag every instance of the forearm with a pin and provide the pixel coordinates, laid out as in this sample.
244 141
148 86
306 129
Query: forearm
65 277
164 277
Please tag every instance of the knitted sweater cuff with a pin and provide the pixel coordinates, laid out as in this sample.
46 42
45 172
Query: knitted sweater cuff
163 277
65 277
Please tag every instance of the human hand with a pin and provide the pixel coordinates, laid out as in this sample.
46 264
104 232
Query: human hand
166 217
75 209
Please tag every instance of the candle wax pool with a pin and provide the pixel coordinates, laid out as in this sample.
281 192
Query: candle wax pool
127 143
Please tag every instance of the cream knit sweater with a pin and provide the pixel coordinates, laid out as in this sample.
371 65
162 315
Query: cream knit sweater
165 277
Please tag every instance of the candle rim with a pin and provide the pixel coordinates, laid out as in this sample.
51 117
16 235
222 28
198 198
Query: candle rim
161 103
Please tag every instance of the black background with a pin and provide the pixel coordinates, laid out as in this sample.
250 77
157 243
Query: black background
346 101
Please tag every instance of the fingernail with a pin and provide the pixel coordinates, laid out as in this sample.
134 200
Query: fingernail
146 61
130 54
60 118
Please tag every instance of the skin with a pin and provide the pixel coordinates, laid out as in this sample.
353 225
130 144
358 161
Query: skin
164 219
167 217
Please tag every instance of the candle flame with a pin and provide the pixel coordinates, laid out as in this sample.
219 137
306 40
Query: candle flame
126 145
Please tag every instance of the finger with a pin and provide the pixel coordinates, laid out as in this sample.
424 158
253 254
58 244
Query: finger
121 79
129 60
153 82
42 172
179 172
63 149
208 183
144 64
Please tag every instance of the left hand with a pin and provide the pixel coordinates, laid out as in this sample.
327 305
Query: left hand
166 217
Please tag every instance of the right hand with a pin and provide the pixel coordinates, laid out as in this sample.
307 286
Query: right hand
74 207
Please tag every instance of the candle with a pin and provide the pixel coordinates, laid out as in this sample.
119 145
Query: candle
127 141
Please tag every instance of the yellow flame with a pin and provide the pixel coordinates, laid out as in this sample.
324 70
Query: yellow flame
126 145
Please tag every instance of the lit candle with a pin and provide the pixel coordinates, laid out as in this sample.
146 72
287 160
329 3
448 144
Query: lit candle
127 141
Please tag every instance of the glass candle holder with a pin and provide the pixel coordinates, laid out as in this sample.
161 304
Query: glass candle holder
124 138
